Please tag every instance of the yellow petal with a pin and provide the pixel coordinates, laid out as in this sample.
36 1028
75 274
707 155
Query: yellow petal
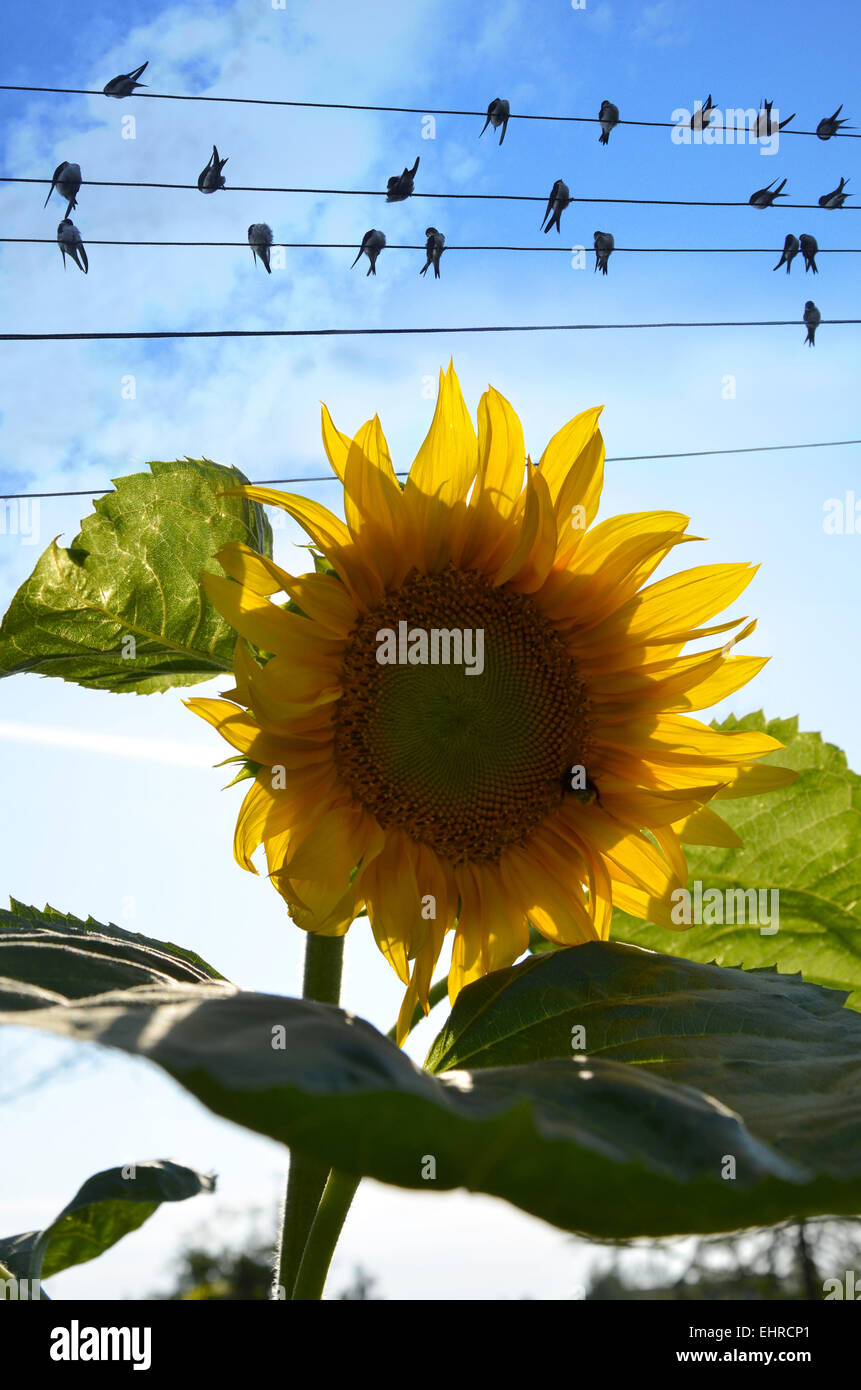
501 452
705 827
546 886
639 904
753 781
336 444
320 596
675 737
244 734
390 890
573 468
532 556
374 446
272 628
375 512
329 534
680 600
446 463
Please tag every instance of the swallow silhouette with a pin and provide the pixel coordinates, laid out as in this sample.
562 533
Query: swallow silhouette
604 245
400 186
830 126
434 248
703 114
609 117
67 181
809 247
836 198
211 177
70 244
124 85
558 201
764 197
764 124
498 113
260 240
372 244
790 251
812 318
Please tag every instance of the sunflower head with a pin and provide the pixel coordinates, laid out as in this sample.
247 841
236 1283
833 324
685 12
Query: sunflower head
474 717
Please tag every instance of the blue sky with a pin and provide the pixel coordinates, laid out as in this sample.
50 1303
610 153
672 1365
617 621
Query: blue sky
134 828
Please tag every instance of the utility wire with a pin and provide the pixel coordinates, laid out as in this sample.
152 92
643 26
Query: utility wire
397 332
381 193
619 458
420 246
354 106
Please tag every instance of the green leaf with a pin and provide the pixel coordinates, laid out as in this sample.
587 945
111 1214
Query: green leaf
49 957
590 1144
107 1207
123 609
805 841
247 769
782 1053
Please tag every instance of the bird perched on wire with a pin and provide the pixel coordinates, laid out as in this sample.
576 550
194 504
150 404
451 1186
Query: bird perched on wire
809 247
558 201
70 244
703 114
836 198
609 117
434 248
764 123
812 318
400 186
124 85
604 244
498 113
829 125
790 251
764 197
67 181
211 177
260 240
372 244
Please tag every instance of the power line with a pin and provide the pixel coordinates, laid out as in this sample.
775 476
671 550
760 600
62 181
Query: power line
619 458
396 110
398 332
378 193
420 246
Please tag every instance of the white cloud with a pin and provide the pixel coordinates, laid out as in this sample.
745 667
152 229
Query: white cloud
168 751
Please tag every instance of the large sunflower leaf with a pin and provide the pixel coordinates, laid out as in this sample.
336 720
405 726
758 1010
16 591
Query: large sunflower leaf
49 957
805 842
123 608
588 1144
782 1053
108 1206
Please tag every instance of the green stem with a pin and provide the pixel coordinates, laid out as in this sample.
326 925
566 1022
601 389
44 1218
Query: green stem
306 1179
320 1239
318 1200
324 960
328 1223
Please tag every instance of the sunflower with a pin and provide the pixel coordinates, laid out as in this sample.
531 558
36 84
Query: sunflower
557 777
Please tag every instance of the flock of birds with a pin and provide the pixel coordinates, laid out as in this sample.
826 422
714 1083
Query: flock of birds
67 181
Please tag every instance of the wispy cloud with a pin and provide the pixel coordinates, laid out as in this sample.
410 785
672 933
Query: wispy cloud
661 24
168 751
